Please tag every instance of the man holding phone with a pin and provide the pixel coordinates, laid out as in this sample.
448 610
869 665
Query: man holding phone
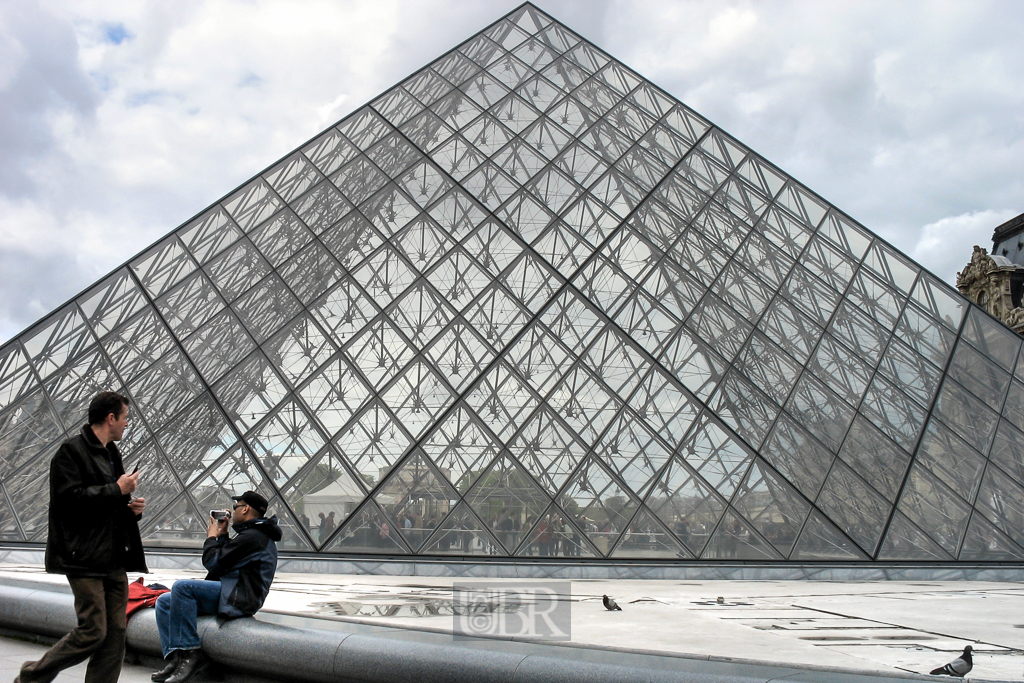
93 538
240 571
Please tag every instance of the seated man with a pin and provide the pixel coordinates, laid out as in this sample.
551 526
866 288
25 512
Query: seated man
240 572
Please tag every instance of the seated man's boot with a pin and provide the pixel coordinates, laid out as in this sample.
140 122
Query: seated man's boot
190 663
172 664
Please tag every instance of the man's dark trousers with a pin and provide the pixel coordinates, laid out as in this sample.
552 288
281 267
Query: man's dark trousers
100 605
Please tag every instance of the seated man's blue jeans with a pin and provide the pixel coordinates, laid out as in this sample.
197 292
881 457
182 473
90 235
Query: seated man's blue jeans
176 613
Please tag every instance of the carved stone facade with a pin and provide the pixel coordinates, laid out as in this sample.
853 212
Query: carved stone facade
994 283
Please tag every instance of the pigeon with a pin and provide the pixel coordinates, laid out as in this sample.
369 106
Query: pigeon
960 666
610 604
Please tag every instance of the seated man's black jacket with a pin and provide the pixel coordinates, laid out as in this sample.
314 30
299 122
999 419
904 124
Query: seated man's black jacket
244 565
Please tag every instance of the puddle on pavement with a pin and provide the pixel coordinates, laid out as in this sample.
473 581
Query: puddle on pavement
831 638
418 607
909 636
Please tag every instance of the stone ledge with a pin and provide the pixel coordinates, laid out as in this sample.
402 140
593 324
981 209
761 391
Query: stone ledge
533 568
270 651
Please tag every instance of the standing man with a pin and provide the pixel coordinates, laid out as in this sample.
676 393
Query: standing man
93 539
240 571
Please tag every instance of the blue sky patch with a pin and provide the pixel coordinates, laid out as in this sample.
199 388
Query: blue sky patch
116 34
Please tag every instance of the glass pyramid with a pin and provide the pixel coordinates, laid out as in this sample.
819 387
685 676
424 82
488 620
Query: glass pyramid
527 304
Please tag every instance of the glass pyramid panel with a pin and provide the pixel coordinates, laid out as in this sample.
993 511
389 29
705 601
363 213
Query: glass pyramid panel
822 541
646 538
334 394
462 533
736 540
717 457
633 451
985 542
15 375
875 457
9 530
994 340
74 385
179 525
1006 449
461 447
25 486
549 449
416 498
950 459
27 427
285 442
234 472
535 306
687 504
1013 408
854 506
1000 500
554 535
372 443
506 490
323 495
904 541
293 535
774 508
593 496
935 508
159 482
367 531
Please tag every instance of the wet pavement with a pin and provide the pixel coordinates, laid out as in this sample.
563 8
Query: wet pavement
883 626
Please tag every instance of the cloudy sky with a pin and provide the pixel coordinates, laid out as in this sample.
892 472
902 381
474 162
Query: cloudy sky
121 120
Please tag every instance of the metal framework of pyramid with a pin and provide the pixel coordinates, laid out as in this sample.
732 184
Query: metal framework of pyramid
527 304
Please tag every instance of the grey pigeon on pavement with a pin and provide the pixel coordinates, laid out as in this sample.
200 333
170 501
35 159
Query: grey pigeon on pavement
610 604
958 667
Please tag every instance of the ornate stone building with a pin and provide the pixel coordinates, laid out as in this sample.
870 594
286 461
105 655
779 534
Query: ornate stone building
995 284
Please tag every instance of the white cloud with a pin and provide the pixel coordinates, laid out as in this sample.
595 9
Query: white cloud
947 244
119 121
729 28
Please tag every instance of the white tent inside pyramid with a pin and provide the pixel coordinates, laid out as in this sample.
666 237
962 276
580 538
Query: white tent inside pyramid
526 304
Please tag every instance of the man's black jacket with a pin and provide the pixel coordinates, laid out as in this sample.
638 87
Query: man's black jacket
92 531
244 565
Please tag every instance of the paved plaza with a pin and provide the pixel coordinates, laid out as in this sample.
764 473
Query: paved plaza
14 652
885 627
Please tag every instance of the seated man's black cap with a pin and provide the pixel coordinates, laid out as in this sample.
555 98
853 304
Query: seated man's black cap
253 500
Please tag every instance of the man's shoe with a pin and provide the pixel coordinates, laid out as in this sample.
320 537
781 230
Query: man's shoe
172 664
190 663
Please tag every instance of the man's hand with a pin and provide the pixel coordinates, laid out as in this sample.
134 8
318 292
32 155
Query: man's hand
128 482
216 528
137 505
